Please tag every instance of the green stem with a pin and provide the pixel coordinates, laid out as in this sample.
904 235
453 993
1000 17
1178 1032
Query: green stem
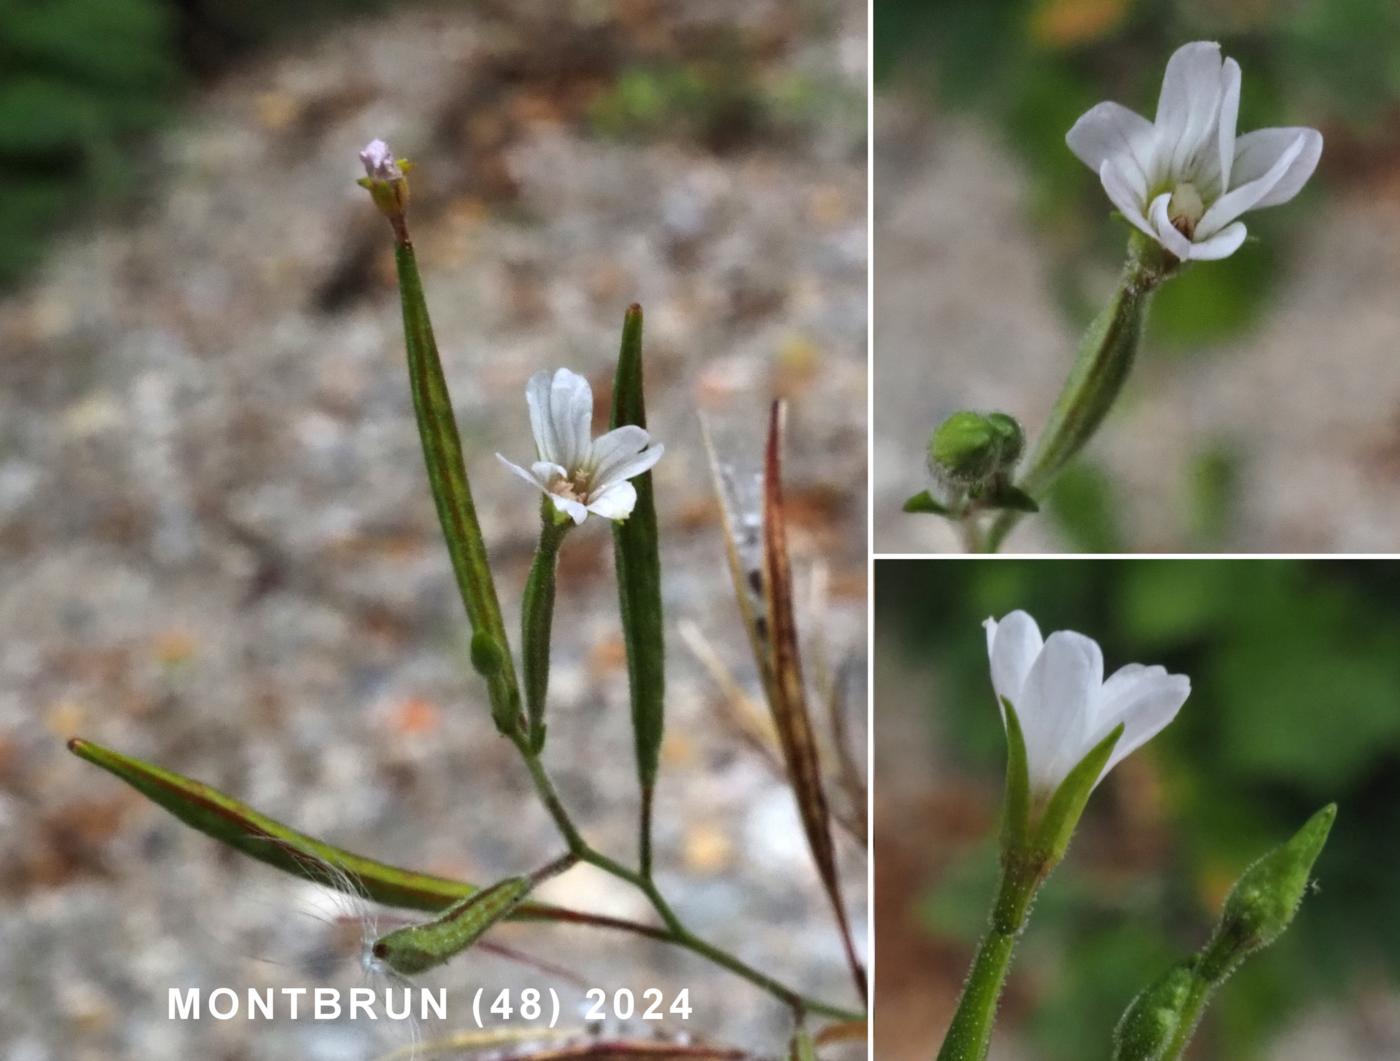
1106 355
676 931
1190 1016
447 476
537 620
970 1033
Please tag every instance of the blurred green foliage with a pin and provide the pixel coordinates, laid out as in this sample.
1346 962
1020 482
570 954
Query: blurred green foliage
77 79
724 102
1031 67
1295 701
82 83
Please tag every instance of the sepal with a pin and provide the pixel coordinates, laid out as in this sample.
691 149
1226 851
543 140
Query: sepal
1056 824
1016 807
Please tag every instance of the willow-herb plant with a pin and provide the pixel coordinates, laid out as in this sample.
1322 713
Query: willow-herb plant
1181 181
1066 728
577 475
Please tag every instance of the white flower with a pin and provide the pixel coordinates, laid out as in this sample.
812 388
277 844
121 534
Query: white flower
1185 178
581 476
1063 703
379 162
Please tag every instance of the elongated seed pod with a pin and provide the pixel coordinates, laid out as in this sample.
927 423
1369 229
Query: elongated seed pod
420 947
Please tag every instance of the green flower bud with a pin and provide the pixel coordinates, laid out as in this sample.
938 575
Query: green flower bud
966 448
1263 901
1152 1018
487 655
1013 439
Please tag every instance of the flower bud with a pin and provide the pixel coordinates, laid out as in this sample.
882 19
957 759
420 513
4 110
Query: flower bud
1152 1018
385 178
966 448
1263 901
1013 439
487 655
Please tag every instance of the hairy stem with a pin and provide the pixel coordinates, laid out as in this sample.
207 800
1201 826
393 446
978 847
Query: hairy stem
1106 355
1192 1009
970 1033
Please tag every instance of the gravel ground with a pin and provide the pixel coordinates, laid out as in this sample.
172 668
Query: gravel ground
219 552
1310 398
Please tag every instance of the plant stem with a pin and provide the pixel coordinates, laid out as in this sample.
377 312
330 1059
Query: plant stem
970 1032
1106 355
1190 1016
676 931
537 620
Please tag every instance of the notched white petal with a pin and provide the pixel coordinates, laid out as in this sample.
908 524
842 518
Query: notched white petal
1110 130
1122 194
615 501
1055 704
1190 100
1229 118
1247 196
630 467
571 412
529 476
1221 245
1256 153
537 392
1012 646
620 444
1164 232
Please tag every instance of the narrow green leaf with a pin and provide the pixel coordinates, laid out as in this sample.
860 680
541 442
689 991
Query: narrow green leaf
269 841
1016 813
923 502
1062 813
637 551
447 476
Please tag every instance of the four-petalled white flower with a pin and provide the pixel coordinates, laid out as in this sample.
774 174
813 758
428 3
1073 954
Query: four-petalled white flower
581 475
1185 178
1063 703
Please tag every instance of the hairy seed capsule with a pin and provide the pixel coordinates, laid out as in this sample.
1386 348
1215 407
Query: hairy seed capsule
420 947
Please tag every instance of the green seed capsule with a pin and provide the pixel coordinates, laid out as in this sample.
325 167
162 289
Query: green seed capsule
421 947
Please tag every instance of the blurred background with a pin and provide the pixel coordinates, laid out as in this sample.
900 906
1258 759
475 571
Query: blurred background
1263 414
217 546
1295 686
